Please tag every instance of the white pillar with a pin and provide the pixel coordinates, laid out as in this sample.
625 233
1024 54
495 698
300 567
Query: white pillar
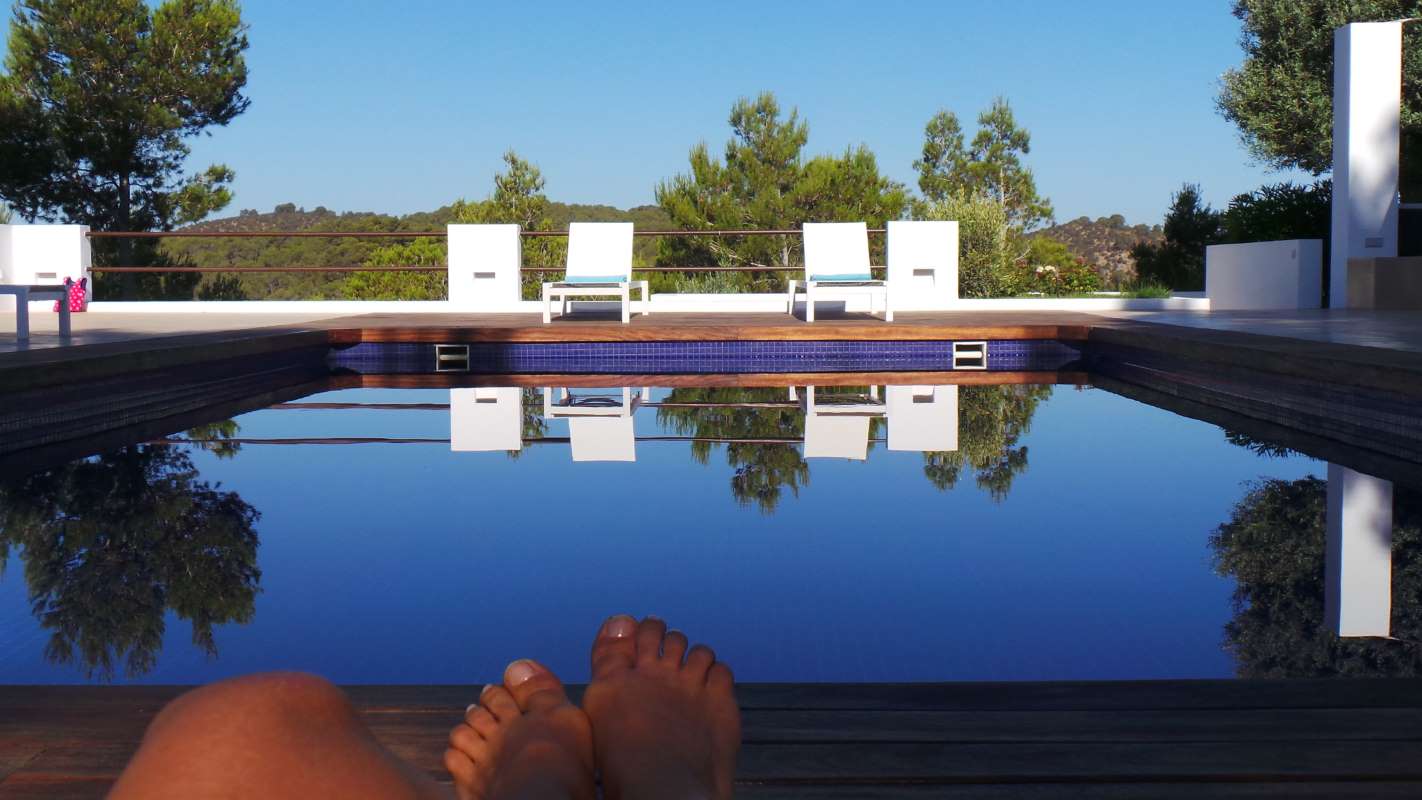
923 264
43 255
1357 594
1367 103
484 263
485 419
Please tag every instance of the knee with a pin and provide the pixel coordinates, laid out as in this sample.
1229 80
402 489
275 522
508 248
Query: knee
262 700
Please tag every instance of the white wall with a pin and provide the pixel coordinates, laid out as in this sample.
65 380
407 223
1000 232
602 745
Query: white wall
1367 98
1286 274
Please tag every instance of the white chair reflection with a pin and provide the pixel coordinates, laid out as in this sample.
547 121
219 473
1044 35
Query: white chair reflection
486 419
922 418
599 421
837 423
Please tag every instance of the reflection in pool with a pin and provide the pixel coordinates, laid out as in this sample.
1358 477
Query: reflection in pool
846 533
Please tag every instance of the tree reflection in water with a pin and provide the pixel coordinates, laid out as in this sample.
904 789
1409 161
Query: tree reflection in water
111 543
1273 546
992 421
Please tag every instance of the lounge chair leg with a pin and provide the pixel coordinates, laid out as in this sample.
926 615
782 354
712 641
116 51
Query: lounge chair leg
547 306
64 322
790 300
626 304
809 304
22 317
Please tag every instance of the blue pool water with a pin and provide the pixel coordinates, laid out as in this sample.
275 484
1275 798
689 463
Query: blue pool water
1072 542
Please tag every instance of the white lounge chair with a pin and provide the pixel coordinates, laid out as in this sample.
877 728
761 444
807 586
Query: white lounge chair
25 293
837 426
599 424
486 419
836 265
599 265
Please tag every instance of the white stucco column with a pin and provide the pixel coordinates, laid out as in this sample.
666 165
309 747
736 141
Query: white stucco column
923 264
1357 593
1367 104
485 419
484 263
43 255
922 418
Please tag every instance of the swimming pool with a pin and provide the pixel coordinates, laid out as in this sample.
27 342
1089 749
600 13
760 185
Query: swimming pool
899 532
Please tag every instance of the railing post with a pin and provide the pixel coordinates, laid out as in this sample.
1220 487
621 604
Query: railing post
43 255
923 264
484 265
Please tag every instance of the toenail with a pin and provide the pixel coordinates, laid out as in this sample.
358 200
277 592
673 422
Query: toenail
470 708
620 627
519 672
485 690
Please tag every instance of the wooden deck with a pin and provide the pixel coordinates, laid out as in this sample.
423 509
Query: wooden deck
1335 738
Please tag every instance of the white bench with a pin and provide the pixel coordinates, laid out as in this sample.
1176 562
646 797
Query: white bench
24 294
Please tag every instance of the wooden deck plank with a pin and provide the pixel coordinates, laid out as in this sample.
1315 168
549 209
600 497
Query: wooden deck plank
678 327
873 740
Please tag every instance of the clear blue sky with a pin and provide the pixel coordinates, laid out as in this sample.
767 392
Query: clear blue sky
363 105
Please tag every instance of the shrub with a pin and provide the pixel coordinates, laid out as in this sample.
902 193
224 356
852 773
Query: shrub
985 264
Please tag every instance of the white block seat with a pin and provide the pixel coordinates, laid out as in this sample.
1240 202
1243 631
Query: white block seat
25 293
837 266
837 425
599 265
600 425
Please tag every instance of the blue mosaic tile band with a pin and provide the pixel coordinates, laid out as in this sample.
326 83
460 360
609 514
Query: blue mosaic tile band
650 358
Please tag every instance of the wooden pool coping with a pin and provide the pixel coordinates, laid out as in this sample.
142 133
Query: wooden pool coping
1381 368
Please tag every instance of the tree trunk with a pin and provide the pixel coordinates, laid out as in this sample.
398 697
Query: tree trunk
125 249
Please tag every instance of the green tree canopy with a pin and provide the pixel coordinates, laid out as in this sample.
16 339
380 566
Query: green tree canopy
764 182
517 198
96 104
989 166
1281 97
1179 261
112 543
1273 546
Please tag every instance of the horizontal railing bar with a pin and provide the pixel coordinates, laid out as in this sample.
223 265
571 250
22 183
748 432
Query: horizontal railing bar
415 440
436 268
406 234
400 268
264 234
445 406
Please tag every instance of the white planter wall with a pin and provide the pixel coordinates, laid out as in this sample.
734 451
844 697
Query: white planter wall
1287 274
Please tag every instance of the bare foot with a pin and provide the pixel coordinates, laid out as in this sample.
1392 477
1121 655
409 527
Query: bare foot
522 740
663 728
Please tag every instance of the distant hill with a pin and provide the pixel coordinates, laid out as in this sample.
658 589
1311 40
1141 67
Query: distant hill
314 252
1105 243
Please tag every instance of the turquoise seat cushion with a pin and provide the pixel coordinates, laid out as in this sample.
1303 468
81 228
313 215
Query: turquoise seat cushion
863 276
595 279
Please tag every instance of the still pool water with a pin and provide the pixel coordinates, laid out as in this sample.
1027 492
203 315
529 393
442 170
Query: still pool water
356 534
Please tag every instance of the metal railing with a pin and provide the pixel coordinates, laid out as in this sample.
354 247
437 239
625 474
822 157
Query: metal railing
419 268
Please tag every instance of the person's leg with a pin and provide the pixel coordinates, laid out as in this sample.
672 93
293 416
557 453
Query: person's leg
274 735
665 720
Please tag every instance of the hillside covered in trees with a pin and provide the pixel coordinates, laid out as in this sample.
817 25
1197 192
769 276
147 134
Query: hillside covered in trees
1104 243
317 252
